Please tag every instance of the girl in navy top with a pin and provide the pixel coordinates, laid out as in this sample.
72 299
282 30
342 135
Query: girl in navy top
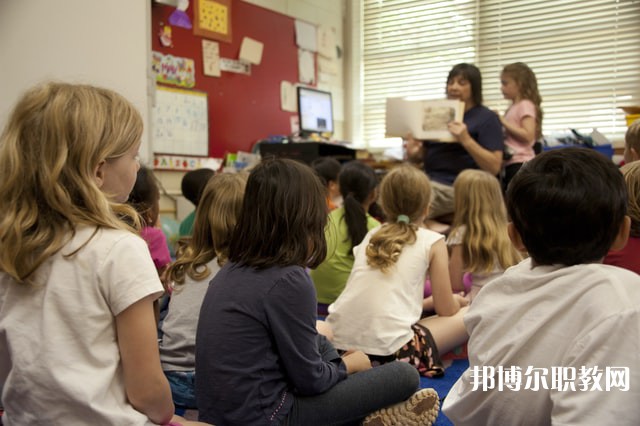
259 358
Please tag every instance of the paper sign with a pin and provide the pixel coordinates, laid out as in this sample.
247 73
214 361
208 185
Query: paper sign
327 41
327 66
211 58
288 97
173 70
306 37
233 65
306 67
251 51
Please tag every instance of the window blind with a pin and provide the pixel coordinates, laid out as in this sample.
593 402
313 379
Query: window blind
585 53
408 49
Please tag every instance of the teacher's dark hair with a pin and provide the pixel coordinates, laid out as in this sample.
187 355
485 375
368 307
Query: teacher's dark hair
471 73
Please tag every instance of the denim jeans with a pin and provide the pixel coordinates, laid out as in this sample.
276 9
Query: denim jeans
183 385
352 399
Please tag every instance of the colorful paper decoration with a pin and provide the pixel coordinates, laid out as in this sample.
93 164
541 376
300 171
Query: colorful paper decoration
213 19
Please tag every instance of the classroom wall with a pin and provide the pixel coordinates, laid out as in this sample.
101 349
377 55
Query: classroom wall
244 109
100 42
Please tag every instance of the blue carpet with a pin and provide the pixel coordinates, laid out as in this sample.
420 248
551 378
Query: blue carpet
443 384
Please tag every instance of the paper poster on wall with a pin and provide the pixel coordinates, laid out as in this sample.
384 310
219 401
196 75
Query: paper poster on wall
182 162
211 58
288 97
173 70
213 19
251 51
327 66
233 65
327 41
306 36
306 67
180 122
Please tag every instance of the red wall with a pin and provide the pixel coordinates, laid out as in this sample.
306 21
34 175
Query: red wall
242 108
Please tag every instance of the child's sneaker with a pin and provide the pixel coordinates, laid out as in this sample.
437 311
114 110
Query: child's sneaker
421 409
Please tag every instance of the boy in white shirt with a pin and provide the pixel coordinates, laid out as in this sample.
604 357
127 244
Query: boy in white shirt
556 339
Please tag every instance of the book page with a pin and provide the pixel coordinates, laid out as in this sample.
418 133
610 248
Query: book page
424 119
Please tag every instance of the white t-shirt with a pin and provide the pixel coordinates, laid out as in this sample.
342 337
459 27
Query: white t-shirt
552 317
479 279
376 310
59 356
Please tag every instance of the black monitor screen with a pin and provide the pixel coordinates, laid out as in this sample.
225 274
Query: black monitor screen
315 111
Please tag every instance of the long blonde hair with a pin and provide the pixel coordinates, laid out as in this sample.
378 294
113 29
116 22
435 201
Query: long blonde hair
53 142
404 191
216 217
480 208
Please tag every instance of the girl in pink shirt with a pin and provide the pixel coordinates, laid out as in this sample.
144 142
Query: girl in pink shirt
522 121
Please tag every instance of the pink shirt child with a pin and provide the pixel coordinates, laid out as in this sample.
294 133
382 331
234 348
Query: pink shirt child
522 151
158 248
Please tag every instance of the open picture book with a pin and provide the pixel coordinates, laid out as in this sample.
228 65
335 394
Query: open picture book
424 119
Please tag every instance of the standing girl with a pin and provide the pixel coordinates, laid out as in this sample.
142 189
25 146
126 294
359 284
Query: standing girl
379 310
259 358
77 333
206 252
478 242
346 228
522 121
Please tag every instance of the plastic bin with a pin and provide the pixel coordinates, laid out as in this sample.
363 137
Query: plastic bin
605 149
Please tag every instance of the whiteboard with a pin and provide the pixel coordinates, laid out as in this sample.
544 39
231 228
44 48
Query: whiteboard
180 122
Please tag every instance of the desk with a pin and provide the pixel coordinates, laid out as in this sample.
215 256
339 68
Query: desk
307 151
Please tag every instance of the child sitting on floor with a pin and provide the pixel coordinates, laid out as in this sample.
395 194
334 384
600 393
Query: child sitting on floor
629 256
380 308
206 252
78 341
554 340
145 198
478 242
346 228
259 358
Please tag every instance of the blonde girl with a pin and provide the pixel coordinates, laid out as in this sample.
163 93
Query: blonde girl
76 284
379 311
206 252
522 121
478 242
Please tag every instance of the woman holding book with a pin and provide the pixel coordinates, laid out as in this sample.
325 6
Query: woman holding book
479 141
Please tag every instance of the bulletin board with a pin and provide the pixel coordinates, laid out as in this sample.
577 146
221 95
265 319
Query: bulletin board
180 122
242 108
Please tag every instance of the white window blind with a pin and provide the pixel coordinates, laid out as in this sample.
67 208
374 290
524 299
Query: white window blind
585 53
408 49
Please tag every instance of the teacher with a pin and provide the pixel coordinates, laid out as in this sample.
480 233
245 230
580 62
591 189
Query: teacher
479 141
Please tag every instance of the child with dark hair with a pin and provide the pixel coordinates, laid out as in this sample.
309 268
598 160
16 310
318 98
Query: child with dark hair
328 169
192 185
145 198
259 358
346 228
554 340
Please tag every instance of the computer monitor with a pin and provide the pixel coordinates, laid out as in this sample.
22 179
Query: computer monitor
315 111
